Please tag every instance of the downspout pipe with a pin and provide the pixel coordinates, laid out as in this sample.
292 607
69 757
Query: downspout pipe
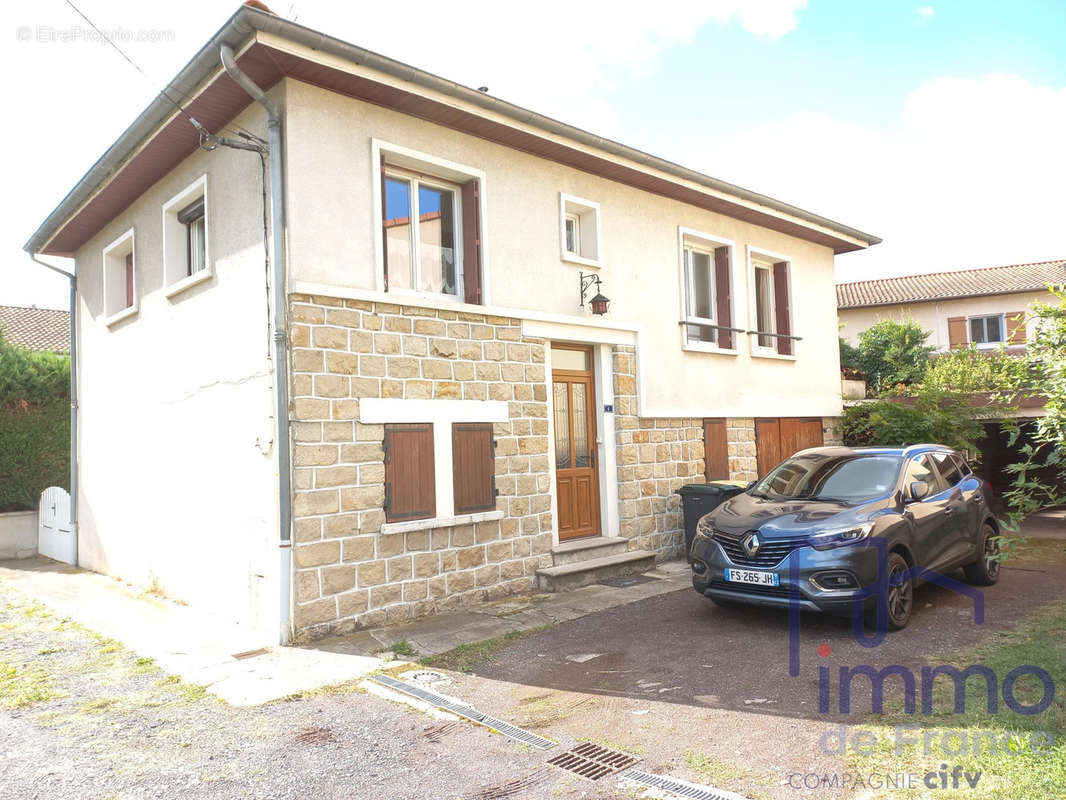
73 397
281 360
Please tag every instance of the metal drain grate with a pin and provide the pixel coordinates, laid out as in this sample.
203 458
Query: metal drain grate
426 677
679 788
512 787
466 712
592 761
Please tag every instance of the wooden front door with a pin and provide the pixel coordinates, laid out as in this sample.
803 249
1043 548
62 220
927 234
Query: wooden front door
574 416
779 438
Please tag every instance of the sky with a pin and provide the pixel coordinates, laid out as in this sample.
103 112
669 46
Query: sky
938 127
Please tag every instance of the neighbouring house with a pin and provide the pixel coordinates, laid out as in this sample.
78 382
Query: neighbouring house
463 425
985 307
40 329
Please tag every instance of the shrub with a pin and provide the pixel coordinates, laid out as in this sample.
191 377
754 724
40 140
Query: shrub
968 369
893 352
34 425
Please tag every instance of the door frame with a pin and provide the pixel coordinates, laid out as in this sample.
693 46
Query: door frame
588 377
606 452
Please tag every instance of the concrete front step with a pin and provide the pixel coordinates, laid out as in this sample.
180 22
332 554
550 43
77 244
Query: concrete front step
564 577
584 549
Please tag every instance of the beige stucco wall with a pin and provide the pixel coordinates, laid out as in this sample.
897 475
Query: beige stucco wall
330 173
178 486
934 316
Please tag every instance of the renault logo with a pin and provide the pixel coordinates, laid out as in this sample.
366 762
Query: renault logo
751 543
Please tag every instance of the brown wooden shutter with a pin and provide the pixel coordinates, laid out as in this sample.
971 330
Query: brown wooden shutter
471 242
1015 327
784 313
716 450
384 227
957 332
410 492
473 467
723 287
129 280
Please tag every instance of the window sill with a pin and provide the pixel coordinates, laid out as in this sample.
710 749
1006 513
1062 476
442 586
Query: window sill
593 263
755 353
442 296
706 347
118 316
440 522
188 282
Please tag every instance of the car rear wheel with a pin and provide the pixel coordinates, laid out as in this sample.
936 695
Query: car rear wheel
985 570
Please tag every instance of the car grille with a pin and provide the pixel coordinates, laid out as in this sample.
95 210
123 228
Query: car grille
747 588
771 553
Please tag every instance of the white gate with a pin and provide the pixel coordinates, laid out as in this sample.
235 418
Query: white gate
55 535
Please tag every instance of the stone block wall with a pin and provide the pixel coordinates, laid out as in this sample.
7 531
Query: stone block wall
740 438
348 574
655 457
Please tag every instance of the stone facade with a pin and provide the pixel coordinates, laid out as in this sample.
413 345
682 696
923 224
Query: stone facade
655 457
348 574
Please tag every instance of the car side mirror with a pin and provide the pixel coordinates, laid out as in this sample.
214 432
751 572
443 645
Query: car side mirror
919 490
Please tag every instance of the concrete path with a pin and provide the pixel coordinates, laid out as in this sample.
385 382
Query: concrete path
1050 524
197 647
438 634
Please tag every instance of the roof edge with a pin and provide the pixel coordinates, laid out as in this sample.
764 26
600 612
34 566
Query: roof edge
246 20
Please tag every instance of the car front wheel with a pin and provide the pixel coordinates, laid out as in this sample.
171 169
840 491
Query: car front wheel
899 599
985 570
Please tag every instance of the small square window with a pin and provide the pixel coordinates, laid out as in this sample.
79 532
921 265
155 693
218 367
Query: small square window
987 330
120 295
186 238
579 224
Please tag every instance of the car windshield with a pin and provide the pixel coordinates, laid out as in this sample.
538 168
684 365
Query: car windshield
849 478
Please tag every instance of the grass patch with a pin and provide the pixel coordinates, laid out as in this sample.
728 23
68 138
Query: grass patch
1013 770
712 771
467 656
21 687
403 648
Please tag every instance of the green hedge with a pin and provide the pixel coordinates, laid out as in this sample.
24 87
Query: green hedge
34 425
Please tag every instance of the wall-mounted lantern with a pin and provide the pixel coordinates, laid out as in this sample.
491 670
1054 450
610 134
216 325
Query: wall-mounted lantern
598 304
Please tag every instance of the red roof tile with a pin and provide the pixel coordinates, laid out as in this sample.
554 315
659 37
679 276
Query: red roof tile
36 328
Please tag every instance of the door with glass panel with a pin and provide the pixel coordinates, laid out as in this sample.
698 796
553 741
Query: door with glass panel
573 408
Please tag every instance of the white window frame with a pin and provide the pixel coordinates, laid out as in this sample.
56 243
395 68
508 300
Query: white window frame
175 254
589 230
576 249
114 315
984 323
691 239
757 257
440 414
433 167
416 180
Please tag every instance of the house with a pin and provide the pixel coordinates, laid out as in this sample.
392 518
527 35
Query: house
455 423
41 329
985 307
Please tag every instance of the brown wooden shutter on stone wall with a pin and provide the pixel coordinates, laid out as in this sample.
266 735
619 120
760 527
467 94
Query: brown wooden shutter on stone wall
473 467
384 227
957 332
410 491
723 288
716 450
784 312
1015 327
471 243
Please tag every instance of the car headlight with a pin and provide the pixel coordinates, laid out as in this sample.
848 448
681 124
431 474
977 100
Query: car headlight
704 529
829 539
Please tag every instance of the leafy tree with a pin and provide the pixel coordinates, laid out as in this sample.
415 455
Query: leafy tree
972 370
1040 476
893 352
850 358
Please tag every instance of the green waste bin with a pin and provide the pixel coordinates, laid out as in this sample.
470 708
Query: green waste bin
698 499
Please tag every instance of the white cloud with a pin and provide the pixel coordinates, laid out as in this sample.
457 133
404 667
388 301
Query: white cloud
925 12
971 176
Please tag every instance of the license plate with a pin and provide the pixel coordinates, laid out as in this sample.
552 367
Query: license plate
752 576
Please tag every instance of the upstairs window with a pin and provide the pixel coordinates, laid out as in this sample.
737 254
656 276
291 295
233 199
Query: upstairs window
772 311
707 280
430 225
120 295
987 330
579 228
186 238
